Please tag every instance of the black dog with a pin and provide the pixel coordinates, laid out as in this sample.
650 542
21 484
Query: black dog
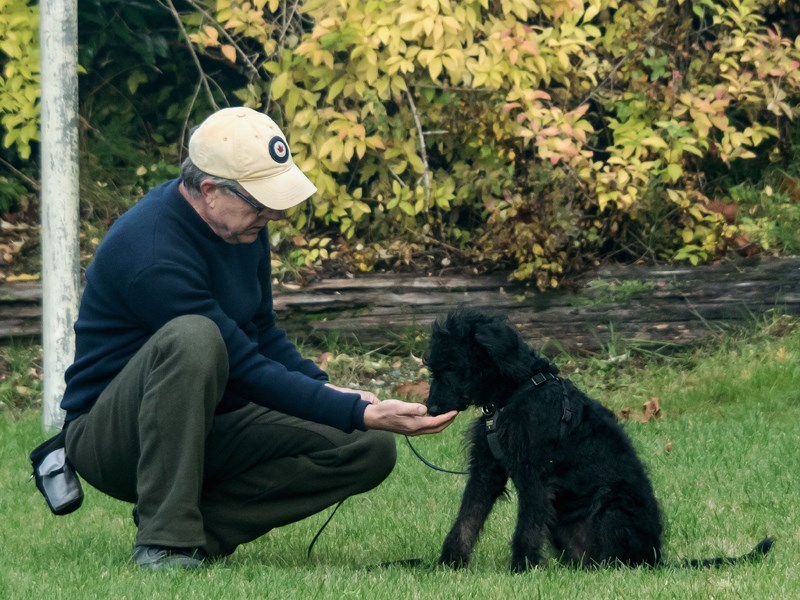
580 483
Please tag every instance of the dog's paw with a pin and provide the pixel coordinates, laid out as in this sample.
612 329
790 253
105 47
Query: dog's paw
453 560
522 564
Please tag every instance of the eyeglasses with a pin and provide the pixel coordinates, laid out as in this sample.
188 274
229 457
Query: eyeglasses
259 208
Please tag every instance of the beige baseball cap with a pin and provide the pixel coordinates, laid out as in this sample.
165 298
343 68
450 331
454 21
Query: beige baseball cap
248 147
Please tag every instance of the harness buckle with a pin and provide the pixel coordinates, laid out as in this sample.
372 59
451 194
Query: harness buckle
540 378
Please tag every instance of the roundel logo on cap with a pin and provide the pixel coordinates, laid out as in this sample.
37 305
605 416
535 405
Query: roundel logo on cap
278 150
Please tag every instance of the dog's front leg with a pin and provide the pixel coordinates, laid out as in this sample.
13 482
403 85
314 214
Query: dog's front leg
529 535
487 480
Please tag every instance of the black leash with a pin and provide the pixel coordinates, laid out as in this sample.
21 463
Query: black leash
321 529
409 562
406 562
430 464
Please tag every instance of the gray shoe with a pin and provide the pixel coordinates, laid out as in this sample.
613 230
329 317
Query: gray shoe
156 558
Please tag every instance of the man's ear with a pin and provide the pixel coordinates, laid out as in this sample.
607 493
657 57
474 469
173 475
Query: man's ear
207 189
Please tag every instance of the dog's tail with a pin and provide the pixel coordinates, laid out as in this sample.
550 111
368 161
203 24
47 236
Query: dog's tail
761 549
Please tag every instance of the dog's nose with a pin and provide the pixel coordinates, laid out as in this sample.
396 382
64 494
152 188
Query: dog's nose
434 410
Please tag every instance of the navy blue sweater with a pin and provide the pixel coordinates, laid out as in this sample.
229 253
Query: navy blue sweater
160 260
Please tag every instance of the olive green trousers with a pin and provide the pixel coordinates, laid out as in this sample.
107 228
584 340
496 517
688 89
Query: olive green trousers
205 480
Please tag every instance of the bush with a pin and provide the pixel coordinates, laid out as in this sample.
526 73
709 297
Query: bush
541 134
548 133
19 82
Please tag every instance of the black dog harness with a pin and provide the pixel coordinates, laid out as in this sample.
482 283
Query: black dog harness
490 413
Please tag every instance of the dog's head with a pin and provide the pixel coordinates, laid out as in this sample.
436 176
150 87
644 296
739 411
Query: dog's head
475 358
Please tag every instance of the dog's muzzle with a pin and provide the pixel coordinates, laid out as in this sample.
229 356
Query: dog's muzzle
434 408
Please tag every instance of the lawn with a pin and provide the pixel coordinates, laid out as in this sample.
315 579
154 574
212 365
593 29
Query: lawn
724 458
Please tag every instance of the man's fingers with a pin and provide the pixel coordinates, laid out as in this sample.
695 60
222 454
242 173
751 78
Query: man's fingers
413 409
365 395
427 425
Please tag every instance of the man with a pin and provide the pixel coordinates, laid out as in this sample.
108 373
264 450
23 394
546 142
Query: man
185 398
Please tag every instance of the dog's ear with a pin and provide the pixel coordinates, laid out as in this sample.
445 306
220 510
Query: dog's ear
505 347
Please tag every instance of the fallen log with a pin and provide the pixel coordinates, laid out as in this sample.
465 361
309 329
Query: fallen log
603 308
20 310
610 305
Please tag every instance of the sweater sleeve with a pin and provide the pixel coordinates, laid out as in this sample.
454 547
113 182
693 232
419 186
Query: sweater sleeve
274 344
164 291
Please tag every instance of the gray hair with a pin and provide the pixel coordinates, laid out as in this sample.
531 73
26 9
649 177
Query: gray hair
192 177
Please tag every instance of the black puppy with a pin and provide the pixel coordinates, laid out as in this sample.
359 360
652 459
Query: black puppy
580 483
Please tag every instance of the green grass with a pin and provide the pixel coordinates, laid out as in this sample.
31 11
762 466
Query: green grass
724 459
603 292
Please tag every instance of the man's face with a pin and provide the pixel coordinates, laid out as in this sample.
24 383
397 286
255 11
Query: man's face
236 217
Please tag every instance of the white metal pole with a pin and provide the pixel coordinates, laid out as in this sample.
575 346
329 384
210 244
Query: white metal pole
58 34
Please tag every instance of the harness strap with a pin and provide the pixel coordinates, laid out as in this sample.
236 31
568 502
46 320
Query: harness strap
490 413
491 431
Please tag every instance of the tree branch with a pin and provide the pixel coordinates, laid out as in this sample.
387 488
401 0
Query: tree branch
287 20
227 36
203 77
33 184
186 121
426 174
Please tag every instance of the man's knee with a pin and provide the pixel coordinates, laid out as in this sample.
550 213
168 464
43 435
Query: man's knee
199 342
381 453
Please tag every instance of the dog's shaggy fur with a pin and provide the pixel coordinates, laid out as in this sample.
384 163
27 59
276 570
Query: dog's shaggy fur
580 484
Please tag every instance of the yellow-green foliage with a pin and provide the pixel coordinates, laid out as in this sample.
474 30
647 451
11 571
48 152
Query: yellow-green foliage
19 81
538 133
554 122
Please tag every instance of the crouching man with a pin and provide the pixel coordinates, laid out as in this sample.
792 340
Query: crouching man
185 397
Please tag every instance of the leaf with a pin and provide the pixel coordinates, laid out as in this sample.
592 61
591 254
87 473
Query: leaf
279 85
591 12
435 67
654 142
135 79
674 171
407 208
212 33
229 52
651 410
323 359
418 391
23 277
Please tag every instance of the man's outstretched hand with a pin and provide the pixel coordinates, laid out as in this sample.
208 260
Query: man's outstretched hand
406 418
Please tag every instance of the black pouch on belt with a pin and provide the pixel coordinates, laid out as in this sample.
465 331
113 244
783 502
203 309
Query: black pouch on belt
55 477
